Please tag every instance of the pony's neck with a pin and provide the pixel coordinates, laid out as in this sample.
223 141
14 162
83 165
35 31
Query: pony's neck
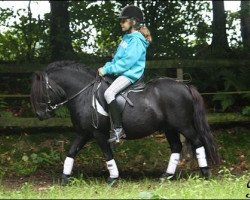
71 81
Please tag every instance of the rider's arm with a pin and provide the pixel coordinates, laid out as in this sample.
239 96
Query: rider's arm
131 55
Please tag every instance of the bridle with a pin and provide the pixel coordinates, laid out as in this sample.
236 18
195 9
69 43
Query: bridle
48 87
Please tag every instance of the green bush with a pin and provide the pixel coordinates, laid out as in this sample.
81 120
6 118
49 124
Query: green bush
246 111
62 112
45 158
23 167
29 163
5 114
224 100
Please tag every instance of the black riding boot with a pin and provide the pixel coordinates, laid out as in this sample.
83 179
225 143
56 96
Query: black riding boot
116 117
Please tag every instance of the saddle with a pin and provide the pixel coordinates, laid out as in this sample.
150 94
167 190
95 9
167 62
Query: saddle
122 98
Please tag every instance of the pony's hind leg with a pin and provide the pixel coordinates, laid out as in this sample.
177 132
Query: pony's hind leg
191 134
76 146
176 146
102 141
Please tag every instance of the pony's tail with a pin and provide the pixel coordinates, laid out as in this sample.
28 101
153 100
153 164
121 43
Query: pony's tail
202 127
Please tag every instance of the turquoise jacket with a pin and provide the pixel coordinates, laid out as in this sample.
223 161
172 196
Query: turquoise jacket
130 57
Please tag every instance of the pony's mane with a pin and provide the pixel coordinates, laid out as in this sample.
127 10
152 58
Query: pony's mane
67 64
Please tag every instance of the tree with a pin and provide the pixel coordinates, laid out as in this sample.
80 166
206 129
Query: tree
245 24
25 39
170 23
95 25
219 40
60 36
125 2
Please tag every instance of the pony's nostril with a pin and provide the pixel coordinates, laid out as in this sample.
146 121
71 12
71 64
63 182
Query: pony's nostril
37 114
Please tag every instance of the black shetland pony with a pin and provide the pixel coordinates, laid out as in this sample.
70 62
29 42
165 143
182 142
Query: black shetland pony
164 105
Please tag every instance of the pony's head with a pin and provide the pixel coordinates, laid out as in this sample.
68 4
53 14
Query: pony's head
47 86
44 94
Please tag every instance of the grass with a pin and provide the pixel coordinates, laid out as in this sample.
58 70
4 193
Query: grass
234 145
224 187
31 165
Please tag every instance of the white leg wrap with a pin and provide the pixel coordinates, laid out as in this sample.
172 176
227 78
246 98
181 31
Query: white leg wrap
68 165
201 157
173 162
113 170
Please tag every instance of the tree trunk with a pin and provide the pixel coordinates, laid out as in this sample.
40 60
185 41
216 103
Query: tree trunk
60 40
29 41
219 41
245 24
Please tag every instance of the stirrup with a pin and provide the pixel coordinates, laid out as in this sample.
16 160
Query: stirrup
116 135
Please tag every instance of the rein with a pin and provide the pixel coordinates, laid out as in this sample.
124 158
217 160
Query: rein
49 107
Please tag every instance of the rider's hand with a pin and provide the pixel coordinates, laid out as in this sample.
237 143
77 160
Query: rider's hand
100 71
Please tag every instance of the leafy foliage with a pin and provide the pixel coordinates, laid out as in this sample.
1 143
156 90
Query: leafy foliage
6 14
24 37
180 29
95 25
234 80
171 23
232 20
246 111
96 29
62 112
225 100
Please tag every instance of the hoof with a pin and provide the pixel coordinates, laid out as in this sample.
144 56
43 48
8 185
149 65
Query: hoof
167 176
64 180
112 181
205 172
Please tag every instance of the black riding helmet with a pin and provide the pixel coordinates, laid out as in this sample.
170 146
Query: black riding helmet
132 12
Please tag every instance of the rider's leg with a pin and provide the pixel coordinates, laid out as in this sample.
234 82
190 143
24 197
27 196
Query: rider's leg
117 86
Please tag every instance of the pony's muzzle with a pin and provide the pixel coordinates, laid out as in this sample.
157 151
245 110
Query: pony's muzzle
43 115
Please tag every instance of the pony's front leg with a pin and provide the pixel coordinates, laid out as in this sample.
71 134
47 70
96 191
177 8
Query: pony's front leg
102 141
76 146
